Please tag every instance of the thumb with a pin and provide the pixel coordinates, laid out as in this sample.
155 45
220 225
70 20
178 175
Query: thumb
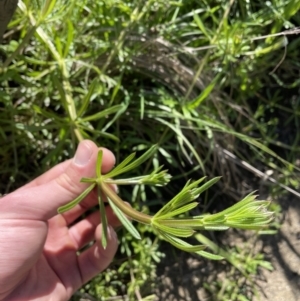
41 202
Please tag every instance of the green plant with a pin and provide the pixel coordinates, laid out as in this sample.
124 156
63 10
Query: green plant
245 263
200 73
246 214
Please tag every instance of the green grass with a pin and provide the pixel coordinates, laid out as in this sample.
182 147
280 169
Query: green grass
200 79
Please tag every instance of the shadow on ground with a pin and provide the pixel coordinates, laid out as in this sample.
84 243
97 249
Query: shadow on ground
182 277
283 250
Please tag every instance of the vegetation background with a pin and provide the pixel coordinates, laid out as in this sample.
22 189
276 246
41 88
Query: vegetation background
214 83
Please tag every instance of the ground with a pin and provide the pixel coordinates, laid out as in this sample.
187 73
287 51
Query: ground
283 284
183 277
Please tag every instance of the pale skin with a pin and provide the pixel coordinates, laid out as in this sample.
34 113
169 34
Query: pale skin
39 258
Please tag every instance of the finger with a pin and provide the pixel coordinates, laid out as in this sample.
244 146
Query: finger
58 169
84 231
96 259
41 202
49 175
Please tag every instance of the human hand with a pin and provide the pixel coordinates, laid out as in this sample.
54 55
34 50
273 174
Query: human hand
39 257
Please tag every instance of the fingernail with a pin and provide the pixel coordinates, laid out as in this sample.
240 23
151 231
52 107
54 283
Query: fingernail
83 154
111 233
115 188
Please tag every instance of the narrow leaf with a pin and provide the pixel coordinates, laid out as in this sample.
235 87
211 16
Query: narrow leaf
124 220
178 211
86 99
228 255
144 157
204 94
72 204
104 237
160 179
184 223
87 180
201 25
181 136
70 37
208 184
174 231
244 202
181 244
103 113
48 114
134 164
101 133
58 84
210 255
48 8
250 226
117 169
267 232
215 228
99 163
182 198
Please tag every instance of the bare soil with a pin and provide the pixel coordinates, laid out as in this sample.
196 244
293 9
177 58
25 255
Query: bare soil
182 277
283 284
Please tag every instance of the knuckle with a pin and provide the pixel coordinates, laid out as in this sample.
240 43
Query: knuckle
67 182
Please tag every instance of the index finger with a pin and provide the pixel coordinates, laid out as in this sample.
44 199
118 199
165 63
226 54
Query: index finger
60 168
41 202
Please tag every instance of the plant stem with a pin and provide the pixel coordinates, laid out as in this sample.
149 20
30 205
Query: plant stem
183 223
69 99
62 66
129 211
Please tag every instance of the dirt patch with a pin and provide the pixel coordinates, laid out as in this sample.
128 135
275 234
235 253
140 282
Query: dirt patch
283 250
182 276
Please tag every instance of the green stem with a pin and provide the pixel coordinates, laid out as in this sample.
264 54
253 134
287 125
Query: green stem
182 223
63 68
218 250
69 99
129 211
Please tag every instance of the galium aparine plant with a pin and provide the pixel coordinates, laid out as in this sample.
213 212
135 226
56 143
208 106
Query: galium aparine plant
249 213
